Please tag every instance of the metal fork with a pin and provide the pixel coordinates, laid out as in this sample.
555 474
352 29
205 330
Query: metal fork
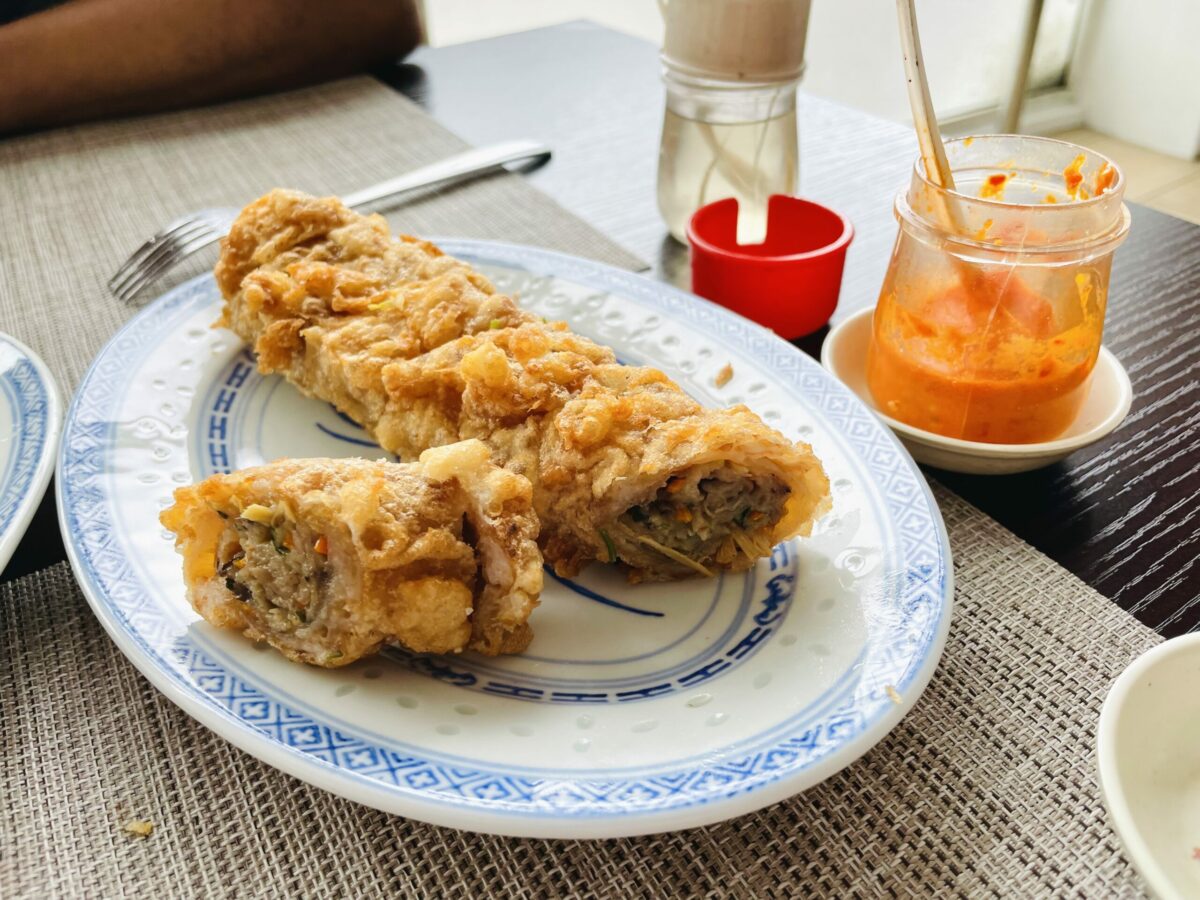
184 236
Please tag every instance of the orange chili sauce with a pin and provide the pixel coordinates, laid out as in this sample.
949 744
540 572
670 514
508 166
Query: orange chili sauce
1073 178
1106 175
982 362
993 186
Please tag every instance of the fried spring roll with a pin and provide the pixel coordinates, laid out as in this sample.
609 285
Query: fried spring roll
421 350
328 560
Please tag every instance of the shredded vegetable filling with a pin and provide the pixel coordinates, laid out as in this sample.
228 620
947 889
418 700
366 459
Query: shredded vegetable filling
708 517
260 561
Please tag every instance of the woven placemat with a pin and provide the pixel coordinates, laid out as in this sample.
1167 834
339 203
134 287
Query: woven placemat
986 789
77 201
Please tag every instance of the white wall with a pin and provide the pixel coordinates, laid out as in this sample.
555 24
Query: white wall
1138 70
1138 73
854 55
457 21
853 51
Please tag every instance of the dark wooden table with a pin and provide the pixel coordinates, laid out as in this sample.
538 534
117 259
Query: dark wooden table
1124 515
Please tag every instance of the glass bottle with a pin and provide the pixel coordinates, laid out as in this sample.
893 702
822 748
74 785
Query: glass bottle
730 68
991 314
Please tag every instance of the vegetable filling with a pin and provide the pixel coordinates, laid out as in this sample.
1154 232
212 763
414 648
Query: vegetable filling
706 517
279 569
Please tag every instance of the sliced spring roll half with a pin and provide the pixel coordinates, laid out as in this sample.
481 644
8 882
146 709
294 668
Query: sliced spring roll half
328 560
625 465
421 350
696 491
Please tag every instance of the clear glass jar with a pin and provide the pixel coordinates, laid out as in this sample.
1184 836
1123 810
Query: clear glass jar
991 314
726 139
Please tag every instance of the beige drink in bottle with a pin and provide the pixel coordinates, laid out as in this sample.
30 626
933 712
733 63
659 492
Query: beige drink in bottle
730 68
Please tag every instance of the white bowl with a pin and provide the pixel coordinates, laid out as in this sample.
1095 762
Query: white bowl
845 355
1148 753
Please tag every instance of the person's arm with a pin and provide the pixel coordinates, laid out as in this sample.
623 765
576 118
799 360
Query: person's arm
90 59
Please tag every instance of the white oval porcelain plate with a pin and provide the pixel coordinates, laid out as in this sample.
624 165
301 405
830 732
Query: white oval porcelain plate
636 709
30 419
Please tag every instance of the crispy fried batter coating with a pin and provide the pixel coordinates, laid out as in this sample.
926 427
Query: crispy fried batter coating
421 350
328 560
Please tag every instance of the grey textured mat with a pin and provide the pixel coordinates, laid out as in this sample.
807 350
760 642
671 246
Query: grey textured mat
986 789
76 202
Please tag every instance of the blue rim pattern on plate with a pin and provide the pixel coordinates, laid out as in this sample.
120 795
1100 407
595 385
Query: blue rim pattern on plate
34 410
787 752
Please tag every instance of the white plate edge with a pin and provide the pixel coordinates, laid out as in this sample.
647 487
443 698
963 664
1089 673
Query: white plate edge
27 508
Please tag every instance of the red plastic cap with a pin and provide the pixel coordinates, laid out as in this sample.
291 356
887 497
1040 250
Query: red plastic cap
790 282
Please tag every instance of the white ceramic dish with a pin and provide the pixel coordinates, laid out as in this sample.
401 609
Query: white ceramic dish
1148 753
30 421
636 708
845 355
